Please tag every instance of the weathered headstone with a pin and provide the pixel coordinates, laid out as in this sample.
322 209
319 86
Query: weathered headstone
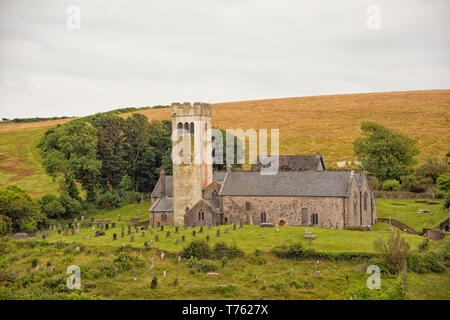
78 231
146 244
113 225
201 229
114 236
162 255
120 218
132 239
176 242
59 231
156 238
162 228
183 238
218 233
234 227
241 225
97 233
317 267
176 229
73 232
193 233
168 234
209 227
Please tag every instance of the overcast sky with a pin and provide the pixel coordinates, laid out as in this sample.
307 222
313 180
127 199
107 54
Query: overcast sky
143 53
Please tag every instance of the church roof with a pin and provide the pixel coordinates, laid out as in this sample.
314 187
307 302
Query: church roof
162 205
296 163
218 176
293 183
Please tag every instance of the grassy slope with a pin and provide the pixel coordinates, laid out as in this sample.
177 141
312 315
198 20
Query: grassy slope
328 124
20 162
249 238
408 214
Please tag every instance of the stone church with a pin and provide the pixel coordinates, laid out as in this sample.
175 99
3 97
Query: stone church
302 192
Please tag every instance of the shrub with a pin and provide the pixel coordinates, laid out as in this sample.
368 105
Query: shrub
5 224
443 183
154 282
423 245
34 263
293 251
447 202
393 251
221 250
409 182
198 249
432 168
201 265
51 206
72 206
391 185
108 200
425 262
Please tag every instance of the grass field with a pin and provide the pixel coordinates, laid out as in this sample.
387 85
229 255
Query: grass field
328 124
248 238
407 214
20 162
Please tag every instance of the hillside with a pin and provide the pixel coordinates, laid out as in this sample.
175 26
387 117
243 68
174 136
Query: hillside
328 124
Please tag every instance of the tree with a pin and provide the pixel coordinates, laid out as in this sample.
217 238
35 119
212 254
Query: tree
21 209
432 168
51 206
71 151
387 154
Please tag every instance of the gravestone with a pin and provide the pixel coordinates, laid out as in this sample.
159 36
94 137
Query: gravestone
234 227
168 234
132 239
317 267
162 228
207 238
73 232
176 229
162 255
201 229
59 231
113 225
101 226
156 238
129 232
183 238
97 233
146 227
43 237
120 218
114 236
92 219
146 244
143 234
122 234
209 227
158 224
193 233
176 242
218 233
78 231
241 225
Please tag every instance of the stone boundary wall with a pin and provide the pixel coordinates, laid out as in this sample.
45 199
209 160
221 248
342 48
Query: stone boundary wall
403 195
399 225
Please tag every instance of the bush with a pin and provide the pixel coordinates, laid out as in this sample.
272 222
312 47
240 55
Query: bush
198 249
394 251
201 265
293 251
391 185
443 183
221 250
108 200
51 206
423 245
72 206
409 182
447 201
432 168
425 262
5 224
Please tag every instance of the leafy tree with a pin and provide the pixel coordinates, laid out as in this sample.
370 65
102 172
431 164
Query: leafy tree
72 206
387 154
21 209
432 167
110 149
391 185
71 151
51 206
443 183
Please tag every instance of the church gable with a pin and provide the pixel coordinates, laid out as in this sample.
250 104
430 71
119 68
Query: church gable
203 213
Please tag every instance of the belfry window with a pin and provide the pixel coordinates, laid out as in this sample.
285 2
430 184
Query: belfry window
201 215
192 128
186 127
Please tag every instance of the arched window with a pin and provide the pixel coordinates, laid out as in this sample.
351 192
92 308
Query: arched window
201 215
263 217
192 128
365 201
186 127
163 217
355 203
180 128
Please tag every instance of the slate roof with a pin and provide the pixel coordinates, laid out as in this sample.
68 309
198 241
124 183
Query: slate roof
293 183
162 205
218 176
295 163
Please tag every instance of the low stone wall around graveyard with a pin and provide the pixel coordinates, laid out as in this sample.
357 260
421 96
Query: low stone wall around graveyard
403 195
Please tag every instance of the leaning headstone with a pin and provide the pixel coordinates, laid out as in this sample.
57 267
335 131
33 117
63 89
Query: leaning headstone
218 233
114 236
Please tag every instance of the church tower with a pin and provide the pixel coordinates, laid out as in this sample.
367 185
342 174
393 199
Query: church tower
192 126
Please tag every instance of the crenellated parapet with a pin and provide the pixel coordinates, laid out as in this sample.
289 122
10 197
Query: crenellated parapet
187 109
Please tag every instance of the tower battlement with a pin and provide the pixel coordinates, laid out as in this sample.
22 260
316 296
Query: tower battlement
191 109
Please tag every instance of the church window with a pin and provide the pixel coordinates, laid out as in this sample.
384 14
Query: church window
192 128
355 203
314 218
263 217
201 215
186 127
365 201
163 217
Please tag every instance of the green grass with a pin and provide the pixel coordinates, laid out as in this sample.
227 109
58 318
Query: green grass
20 162
408 214
249 238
